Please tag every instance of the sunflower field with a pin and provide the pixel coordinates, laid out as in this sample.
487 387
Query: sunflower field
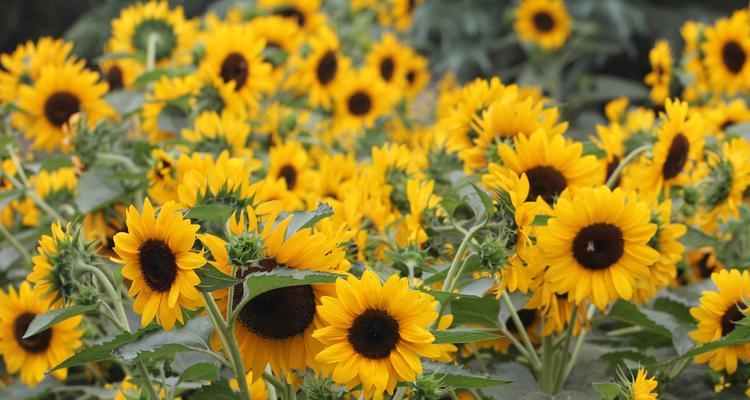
376 199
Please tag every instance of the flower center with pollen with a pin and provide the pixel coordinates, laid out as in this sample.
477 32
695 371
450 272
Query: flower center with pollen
60 107
598 246
277 314
374 334
677 157
387 67
158 264
728 321
114 78
359 103
290 176
543 21
327 67
734 56
33 344
291 12
235 68
546 182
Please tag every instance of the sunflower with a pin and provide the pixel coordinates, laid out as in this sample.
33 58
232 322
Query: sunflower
727 48
282 37
642 387
660 76
388 58
226 181
724 115
544 22
36 354
679 145
156 254
273 189
398 13
375 333
289 161
422 200
460 112
305 13
138 24
322 70
551 164
416 73
236 55
167 92
56 187
275 328
717 314
596 245
701 263
360 99
611 140
60 92
556 310
25 64
725 184
215 133
102 225
120 74
334 170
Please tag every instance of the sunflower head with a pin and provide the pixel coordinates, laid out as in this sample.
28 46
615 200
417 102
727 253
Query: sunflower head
727 53
544 22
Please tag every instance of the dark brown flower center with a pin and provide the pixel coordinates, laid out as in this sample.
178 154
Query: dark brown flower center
327 67
727 123
730 318
598 246
705 269
677 157
290 176
733 56
411 76
546 182
359 103
60 107
527 318
543 21
387 67
158 264
291 12
374 334
33 344
410 6
277 314
235 68
611 167
114 78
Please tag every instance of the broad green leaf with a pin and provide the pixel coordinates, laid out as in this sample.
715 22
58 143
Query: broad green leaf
741 130
104 350
608 390
628 313
616 357
478 200
8 196
541 220
262 282
212 279
172 119
125 102
740 335
96 189
42 322
457 377
215 391
305 219
444 297
475 310
117 55
156 74
195 335
210 212
463 335
200 372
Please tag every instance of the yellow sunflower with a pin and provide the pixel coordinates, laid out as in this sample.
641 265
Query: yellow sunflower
726 49
388 58
375 333
173 35
60 92
398 13
120 74
717 314
360 99
166 90
464 105
35 355
282 37
157 257
56 187
551 164
611 140
544 22
642 387
660 76
215 133
701 263
421 197
416 73
726 114
306 13
226 182
102 225
291 162
275 328
24 66
596 245
725 184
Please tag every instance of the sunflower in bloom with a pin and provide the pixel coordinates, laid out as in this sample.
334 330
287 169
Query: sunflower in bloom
157 256
290 161
725 114
422 198
388 58
305 13
165 91
59 93
660 76
174 36
642 387
225 182
360 99
398 13
600 253
322 71
33 356
717 315
25 64
701 263
544 22
726 49
416 73
215 133
551 164
611 140
465 103
282 36
375 333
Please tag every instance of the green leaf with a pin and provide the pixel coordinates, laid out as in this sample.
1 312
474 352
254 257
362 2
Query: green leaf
117 55
540 220
475 310
125 102
458 377
195 335
212 279
478 200
608 390
740 335
156 74
96 190
741 130
444 297
9 195
261 282
104 350
42 322
628 313
463 335
305 219
210 212
215 391
200 372
172 119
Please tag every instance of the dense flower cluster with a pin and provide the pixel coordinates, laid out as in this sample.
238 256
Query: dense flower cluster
303 205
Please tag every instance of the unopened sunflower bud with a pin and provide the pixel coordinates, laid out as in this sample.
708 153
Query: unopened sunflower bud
244 249
427 387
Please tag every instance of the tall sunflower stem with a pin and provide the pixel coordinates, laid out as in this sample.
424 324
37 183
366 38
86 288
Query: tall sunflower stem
452 277
224 332
153 40
29 191
18 165
113 158
576 350
624 163
567 337
111 292
277 384
148 383
534 358
518 345
16 244
547 373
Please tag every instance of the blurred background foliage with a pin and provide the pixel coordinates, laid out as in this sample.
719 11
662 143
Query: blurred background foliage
469 38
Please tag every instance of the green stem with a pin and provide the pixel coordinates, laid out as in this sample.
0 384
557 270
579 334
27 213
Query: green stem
147 380
18 165
576 350
113 158
273 381
625 331
16 244
547 366
564 353
520 347
536 363
153 39
625 161
33 196
451 277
